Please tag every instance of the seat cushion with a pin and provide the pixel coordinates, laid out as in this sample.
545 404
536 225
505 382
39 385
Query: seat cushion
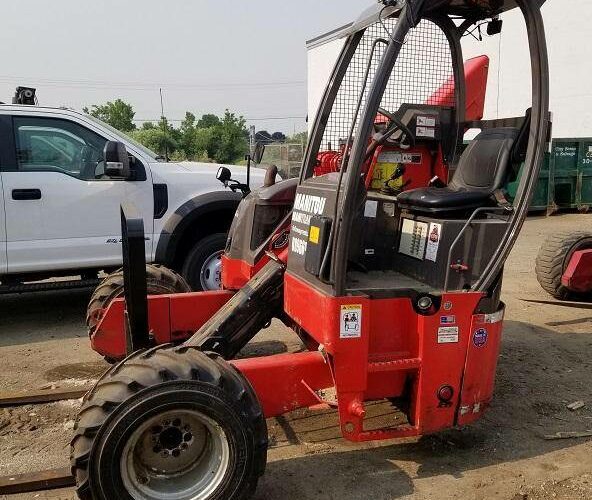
431 199
481 170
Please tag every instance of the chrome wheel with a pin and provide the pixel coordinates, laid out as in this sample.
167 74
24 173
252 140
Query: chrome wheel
176 455
210 275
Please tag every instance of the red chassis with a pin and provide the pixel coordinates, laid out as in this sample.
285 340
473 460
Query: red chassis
386 361
578 273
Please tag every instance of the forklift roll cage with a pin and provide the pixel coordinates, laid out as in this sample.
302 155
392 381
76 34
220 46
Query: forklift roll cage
441 13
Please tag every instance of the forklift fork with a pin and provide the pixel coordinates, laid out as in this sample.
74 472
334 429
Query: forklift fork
133 240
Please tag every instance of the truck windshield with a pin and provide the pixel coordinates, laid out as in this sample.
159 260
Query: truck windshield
133 142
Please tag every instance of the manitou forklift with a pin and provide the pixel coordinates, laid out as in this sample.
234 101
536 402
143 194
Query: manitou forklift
387 263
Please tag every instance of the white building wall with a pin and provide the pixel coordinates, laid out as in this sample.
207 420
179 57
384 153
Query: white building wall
568 26
321 61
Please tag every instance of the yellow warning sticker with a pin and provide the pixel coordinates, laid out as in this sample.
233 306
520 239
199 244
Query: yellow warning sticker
314 234
350 324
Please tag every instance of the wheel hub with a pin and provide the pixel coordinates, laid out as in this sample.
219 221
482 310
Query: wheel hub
210 275
178 455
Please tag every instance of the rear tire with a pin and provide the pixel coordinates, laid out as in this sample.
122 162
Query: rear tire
159 280
212 440
201 268
553 258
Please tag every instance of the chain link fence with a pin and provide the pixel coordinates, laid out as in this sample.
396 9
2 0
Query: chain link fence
287 157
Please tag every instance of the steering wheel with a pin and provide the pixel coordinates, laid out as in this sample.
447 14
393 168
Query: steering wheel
394 125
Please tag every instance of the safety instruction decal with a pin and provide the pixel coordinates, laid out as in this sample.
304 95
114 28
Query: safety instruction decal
434 237
350 324
371 209
447 334
425 132
413 238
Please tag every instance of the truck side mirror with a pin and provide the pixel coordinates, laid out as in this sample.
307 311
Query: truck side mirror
258 152
223 175
117 162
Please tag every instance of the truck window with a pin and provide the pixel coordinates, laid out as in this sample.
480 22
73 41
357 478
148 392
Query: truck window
51 144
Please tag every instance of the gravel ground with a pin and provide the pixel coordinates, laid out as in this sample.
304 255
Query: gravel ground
545 364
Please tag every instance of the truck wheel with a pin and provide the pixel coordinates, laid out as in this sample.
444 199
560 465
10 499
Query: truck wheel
159 280
202 267
170 422
553 258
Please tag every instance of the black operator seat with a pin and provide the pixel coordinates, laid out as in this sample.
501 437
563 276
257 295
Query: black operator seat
482 169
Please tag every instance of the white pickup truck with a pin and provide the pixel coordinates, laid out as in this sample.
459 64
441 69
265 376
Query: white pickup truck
59 209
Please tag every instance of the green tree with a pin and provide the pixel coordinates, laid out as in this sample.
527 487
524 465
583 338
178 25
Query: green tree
118 114
157 140
224 140
232 135
205 142
207 121
298 138
187 139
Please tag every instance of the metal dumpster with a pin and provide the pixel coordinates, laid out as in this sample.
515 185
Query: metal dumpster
571 165
541 199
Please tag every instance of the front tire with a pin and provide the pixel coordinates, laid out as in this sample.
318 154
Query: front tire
159 280
202 266
171 422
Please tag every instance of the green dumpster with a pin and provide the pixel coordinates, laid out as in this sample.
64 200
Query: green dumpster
541 199
571 186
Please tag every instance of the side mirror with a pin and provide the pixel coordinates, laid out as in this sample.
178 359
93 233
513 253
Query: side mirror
258 152
223 175
117 163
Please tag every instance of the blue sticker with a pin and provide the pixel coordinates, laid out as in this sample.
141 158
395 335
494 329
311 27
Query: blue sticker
447 320
480 337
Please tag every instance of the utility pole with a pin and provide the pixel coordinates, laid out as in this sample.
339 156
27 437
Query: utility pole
165 128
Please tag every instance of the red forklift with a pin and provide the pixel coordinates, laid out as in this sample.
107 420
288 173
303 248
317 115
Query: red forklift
388 267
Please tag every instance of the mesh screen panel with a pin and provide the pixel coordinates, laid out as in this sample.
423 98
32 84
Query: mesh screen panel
423 74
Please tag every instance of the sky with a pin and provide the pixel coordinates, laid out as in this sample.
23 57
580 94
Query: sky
206 55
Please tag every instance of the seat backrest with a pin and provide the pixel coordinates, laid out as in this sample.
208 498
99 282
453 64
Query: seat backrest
485 163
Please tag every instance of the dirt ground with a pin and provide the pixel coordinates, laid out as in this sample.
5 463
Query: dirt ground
545 364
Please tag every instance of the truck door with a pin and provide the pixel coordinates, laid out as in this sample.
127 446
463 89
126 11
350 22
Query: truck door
5 142
3 266
62 212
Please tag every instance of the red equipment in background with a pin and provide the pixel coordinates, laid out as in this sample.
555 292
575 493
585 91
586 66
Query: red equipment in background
564 264
476 72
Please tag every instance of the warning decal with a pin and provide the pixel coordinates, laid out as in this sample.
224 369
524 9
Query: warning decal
314 233
350 321
447 334
434 235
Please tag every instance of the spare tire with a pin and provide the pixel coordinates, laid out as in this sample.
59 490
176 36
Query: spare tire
554 256
159 280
